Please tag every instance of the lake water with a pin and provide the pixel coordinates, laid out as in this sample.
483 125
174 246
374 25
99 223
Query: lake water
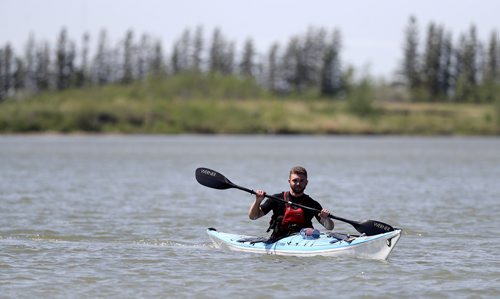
123 216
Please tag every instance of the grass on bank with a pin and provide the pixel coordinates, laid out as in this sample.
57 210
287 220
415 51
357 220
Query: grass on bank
214 104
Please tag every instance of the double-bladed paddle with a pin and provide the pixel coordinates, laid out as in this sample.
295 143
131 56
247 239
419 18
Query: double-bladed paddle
213 179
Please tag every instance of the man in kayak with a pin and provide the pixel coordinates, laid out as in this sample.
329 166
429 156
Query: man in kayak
288 219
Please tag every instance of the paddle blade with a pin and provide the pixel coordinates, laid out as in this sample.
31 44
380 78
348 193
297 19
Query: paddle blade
372 227
368 227
212 179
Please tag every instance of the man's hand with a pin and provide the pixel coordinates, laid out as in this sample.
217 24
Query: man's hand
324 213
325 220
259 195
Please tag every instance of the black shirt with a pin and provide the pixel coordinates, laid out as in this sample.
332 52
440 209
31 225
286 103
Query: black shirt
279 207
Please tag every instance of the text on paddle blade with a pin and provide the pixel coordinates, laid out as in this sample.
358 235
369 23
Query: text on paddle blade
208 172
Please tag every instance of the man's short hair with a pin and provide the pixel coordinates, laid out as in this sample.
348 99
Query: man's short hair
298 170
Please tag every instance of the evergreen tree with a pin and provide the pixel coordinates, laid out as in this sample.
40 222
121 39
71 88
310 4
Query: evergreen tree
198 50
291 66
411 61
446 74
116 65
273 68
467 68
101 64
128 58
64 62
228 57
6 66
70 65
491 79
144 56
19 74
247 64
182 53
157 65
217 49
30 65
331 73
432 61
186 50
492 69
3 93
42 67
82 74
312 55
175 59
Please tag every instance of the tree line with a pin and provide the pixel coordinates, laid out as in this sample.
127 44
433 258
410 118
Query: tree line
467 70
309 60
437 70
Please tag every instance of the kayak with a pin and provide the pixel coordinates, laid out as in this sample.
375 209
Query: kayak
326 244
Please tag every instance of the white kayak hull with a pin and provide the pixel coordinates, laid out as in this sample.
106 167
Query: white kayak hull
371 247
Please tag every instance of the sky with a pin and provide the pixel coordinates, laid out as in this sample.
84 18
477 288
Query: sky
372 31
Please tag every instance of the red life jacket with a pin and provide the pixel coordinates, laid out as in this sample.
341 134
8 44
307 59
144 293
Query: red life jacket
294 217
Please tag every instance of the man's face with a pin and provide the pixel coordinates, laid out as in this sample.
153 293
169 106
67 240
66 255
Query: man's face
298 183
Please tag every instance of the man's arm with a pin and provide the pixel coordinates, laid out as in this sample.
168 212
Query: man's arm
255 212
